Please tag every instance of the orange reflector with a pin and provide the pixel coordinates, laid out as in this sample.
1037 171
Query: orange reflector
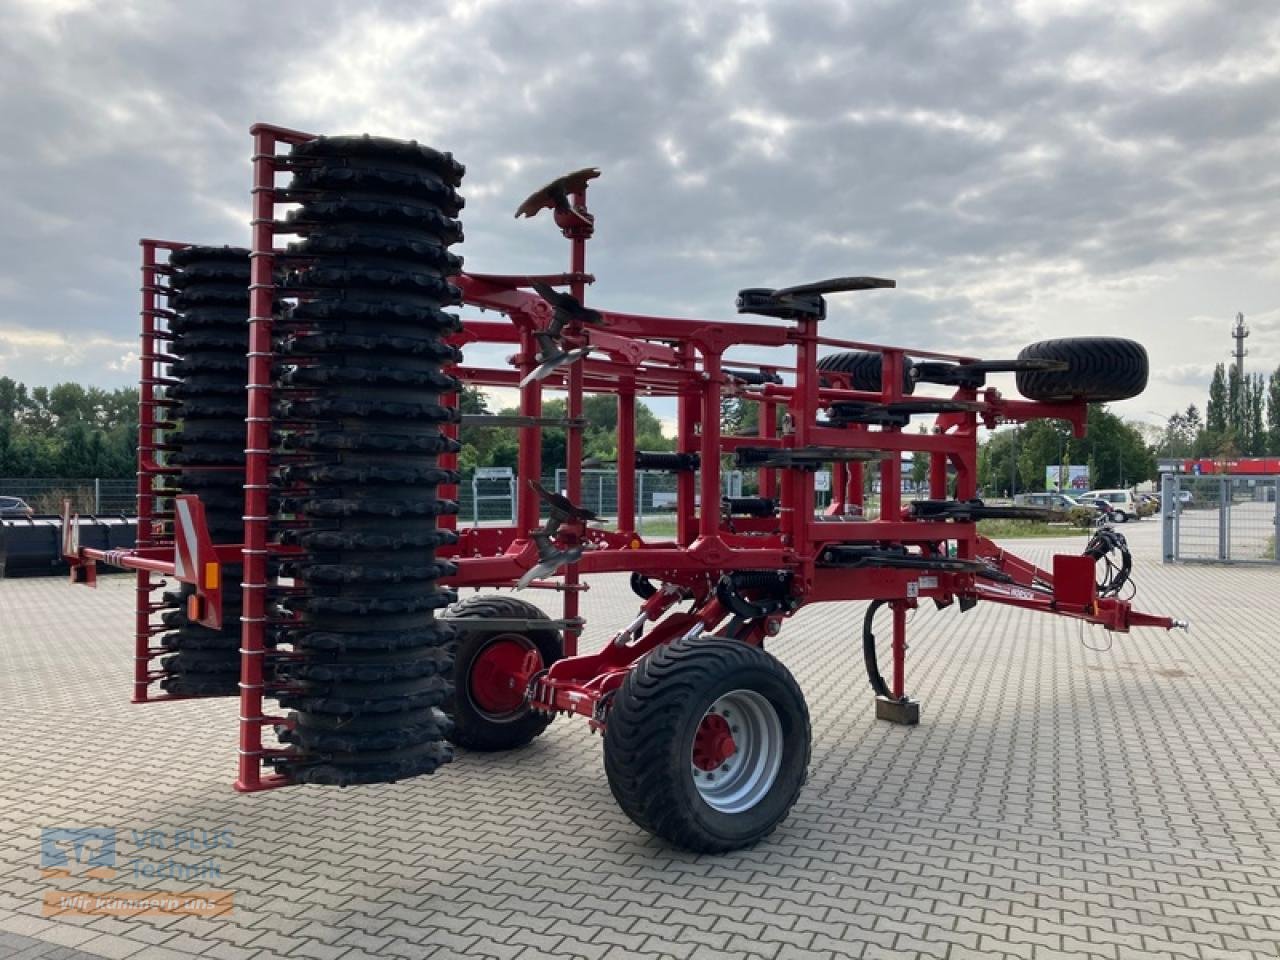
211 576
195 607
635 544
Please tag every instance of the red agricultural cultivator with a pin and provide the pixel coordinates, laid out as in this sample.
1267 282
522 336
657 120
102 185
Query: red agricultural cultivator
301 506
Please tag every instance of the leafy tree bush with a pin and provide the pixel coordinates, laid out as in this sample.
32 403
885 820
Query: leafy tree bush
499 446
1081 516
67 431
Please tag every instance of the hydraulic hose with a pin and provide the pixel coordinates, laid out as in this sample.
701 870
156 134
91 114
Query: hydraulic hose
869 651
730 586
1102 544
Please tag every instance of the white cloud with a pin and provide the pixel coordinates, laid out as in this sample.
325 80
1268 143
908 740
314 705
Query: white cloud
752 32
1041 169
57 356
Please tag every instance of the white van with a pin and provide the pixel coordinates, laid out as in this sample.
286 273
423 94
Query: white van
1123 506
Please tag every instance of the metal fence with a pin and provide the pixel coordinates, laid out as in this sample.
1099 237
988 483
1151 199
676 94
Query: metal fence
481 500
491 500
1220 519
89 495
655 494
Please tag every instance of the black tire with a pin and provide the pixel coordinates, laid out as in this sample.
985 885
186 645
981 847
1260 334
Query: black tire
863 368
1100 370
210 289
650 736
372 664
408 153
476 728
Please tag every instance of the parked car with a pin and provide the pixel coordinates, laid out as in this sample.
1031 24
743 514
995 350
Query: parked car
1123 505
14 508
1053 501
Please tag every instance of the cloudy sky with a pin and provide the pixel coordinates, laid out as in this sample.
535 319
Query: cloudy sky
1024 169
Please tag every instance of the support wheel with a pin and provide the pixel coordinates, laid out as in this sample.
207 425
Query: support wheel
1099 370
707 744
864 370
492 669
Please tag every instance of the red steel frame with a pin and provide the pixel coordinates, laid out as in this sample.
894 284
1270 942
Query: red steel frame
632 355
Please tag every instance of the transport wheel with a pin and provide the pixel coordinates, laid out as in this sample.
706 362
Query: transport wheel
1100 370
863 368
707 744
492 669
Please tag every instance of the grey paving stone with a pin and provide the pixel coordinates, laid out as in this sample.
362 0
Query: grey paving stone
1054 801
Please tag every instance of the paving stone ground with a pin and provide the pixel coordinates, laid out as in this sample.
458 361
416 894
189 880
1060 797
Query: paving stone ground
1065 795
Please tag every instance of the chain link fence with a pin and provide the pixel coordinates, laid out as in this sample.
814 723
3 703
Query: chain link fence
88 495
1220 519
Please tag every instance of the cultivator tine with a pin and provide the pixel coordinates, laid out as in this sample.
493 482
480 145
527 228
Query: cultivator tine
567 311
562 508
553 362
567 307
552 560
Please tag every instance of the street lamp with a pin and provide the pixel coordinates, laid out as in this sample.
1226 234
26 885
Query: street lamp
1062 458
1013 466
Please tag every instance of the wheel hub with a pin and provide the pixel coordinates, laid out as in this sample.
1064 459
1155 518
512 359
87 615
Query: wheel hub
737 751
713 743
500 673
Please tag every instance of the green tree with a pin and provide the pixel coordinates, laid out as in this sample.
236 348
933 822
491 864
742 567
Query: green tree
76 453
920 465
13 400
1216 416
480 443
1273 413
1257 416
1237 404
1179 435
499 446
1015 460
69 403
997 469
1044 443
67 431
1115 450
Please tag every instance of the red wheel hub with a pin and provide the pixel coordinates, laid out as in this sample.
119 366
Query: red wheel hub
713 743
500 673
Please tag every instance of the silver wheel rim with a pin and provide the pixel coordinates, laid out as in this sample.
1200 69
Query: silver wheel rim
745 777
